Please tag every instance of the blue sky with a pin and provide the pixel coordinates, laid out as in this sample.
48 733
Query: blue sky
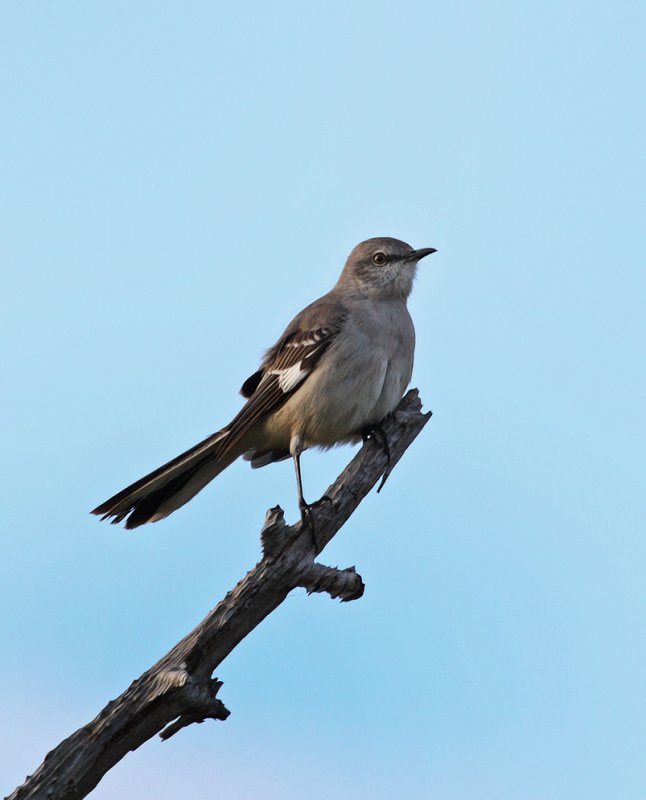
177 181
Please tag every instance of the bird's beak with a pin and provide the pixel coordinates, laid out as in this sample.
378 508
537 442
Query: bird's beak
417 255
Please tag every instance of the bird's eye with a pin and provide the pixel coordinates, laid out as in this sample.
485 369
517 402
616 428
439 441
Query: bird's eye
379 259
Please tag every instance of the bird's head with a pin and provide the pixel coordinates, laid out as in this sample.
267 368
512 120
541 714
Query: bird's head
383 267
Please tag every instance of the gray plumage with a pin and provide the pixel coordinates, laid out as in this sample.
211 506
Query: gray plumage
341 366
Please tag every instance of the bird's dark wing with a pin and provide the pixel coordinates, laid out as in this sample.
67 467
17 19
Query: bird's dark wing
285 367
251 384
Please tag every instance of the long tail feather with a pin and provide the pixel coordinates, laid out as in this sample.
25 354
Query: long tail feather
161 492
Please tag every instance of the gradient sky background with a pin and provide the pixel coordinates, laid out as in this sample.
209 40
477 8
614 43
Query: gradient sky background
177 181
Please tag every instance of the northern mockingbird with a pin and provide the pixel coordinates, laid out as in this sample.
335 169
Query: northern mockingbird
339 368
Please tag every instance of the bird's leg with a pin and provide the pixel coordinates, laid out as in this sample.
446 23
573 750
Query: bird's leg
305 508
377 432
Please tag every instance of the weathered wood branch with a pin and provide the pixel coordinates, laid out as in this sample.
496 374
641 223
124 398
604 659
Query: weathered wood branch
179 690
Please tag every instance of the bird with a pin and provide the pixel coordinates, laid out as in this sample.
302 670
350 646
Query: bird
340 367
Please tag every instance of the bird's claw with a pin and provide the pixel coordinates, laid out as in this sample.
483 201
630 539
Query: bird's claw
377 433
307 519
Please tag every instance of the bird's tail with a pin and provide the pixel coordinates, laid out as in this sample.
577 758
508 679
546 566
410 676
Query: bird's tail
158 494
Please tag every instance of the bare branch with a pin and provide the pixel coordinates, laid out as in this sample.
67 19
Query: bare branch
179 690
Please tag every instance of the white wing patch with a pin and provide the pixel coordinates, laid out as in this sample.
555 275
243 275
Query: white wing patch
295 361
315 336
290 377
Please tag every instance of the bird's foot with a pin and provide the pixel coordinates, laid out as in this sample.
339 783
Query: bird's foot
378 433
307 518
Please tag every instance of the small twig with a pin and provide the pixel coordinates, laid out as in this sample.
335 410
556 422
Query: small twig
343 583
202 704
274 534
